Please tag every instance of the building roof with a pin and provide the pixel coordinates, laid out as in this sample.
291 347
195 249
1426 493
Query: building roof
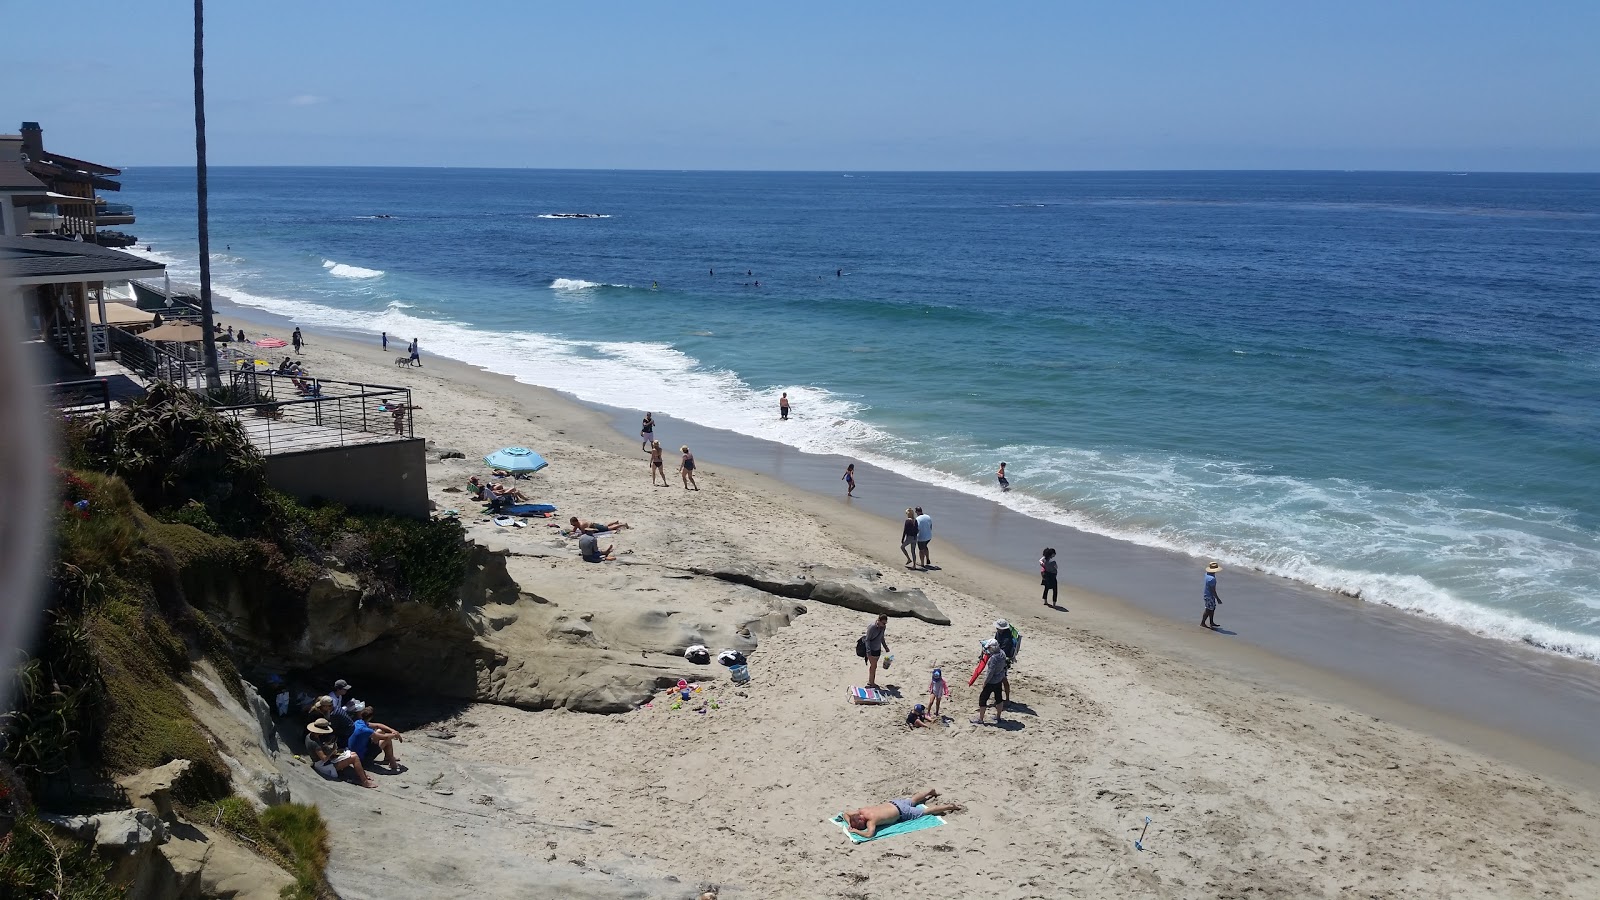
25 257
14 176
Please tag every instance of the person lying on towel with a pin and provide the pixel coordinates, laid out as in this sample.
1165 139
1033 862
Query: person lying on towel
867 820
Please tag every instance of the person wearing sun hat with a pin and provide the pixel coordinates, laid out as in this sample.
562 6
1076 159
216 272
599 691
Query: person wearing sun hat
1208 619
1007 638
327 759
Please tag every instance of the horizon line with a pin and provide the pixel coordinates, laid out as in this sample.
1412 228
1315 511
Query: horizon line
875 171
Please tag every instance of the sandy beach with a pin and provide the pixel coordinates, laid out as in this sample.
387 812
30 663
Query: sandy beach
1261 775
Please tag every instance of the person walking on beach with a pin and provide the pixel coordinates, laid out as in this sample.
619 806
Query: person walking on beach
850 480
924 537
1010 643
647 431
416 353
1051 594
1005 483
877 644
297 339
686 468
657 465
1208 619
995 669
908 538
783 407
385 336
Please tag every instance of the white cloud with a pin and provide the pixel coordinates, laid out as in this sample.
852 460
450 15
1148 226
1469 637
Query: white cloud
306 100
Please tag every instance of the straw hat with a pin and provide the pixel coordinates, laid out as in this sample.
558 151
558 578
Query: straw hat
320 726
1214 568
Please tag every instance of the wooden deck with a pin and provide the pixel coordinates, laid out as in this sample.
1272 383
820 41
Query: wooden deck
273 437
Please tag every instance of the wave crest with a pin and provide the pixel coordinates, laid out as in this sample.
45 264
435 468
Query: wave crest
344 270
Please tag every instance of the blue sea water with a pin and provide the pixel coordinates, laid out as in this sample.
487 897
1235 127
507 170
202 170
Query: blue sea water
1384 383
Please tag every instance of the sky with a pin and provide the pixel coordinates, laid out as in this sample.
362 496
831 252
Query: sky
1451 86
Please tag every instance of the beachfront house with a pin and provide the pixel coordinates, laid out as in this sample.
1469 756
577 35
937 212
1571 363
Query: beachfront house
56 287
49 193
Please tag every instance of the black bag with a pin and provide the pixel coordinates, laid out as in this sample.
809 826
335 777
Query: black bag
861 646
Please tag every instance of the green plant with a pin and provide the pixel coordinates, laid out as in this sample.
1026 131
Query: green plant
171 448
302 832
36 863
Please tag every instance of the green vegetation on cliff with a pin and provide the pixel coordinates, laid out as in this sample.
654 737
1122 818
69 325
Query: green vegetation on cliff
163 506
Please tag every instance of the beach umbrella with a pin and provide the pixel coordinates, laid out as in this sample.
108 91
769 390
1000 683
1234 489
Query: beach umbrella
271 343
516 459
182 332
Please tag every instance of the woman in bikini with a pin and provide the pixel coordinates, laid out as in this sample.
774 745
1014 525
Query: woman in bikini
686 468
657 466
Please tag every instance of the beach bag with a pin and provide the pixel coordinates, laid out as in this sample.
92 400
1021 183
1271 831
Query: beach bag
698 655
861 646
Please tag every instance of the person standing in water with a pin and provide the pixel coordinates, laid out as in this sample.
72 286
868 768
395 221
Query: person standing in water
1208 619
1005 483
1051 595
647 431
783 407
850 480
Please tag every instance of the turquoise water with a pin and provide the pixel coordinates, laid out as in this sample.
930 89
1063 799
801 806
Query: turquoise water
1384 384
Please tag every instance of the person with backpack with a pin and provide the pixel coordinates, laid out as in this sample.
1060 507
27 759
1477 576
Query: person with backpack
1009 641
993 666
872 645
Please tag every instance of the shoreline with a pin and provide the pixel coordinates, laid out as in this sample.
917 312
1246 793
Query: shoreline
1530 707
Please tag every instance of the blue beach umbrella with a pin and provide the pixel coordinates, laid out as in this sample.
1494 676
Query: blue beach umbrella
516 459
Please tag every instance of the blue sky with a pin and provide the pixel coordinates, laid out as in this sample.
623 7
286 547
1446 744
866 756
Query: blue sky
931 85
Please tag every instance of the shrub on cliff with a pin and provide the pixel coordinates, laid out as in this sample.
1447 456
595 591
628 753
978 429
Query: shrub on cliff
172 449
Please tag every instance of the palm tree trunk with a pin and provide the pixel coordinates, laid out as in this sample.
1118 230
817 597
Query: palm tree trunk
213 377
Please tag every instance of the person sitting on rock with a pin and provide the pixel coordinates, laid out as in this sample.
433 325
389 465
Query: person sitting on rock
369 738
337 717
583 526
327 759
867 820
589 549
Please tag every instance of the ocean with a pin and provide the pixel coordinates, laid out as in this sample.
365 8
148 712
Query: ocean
1384 384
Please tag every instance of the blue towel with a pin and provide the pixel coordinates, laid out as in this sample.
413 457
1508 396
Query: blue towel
897 828
528 509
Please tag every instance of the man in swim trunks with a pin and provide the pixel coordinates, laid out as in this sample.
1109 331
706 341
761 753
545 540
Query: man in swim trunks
783 406
867 820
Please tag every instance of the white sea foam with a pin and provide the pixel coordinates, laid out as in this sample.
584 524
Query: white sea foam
574 285
344 270
1335 535
574 215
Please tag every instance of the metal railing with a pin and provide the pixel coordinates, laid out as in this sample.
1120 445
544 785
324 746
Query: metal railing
290 413
84 396
174 363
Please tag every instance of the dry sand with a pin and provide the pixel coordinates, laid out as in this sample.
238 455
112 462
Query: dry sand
1254 789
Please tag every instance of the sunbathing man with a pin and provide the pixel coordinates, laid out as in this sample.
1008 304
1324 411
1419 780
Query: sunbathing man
867 820
585 527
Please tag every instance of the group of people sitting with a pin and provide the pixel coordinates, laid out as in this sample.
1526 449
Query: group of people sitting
343 740
495 494
291 367
304 388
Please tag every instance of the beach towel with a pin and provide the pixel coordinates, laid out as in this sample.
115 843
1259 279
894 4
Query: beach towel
867 696
916 824
529 509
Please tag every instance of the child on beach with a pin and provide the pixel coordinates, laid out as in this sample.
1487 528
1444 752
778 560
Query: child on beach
937 691
918 717
850 480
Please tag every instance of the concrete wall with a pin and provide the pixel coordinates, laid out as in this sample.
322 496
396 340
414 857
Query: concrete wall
390 476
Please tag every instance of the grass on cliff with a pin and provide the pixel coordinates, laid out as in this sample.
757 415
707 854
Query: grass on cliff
36 861
292 835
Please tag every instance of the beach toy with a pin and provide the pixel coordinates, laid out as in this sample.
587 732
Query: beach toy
1139 844
888 661
677 704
